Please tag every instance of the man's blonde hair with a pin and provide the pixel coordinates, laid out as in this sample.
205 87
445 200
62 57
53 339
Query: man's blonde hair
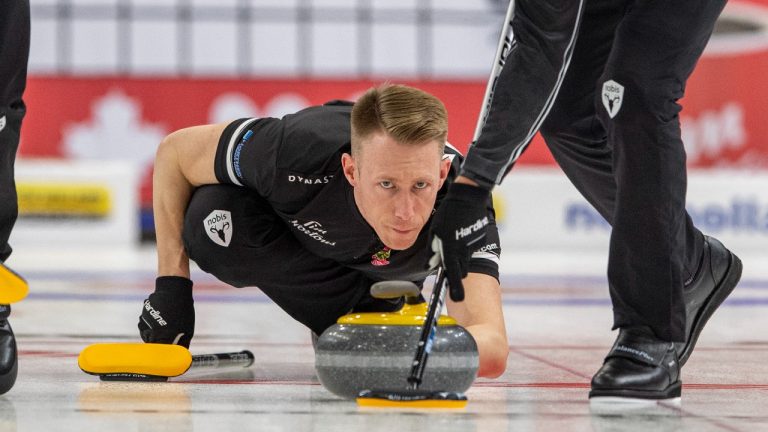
407 114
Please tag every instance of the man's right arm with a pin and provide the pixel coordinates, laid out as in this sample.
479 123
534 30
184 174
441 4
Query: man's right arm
184 160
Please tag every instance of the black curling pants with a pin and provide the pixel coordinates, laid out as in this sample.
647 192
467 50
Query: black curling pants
601 80
14 53
615 131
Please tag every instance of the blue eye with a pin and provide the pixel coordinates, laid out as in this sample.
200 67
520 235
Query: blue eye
386 184
421 185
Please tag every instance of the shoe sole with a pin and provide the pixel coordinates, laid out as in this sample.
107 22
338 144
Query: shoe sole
648 408
718 296
628 395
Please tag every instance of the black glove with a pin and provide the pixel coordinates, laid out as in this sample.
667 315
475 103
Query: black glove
168 314
458 226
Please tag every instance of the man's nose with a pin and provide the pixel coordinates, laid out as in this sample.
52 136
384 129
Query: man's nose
405 205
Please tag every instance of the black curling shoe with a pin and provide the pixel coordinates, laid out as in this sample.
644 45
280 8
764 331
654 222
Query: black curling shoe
8 354
717 276
639 366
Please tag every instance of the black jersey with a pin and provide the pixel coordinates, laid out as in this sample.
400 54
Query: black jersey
295 164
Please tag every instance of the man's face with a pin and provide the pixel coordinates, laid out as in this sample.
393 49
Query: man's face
395 186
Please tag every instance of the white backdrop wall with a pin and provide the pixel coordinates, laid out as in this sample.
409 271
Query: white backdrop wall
540 210
287 38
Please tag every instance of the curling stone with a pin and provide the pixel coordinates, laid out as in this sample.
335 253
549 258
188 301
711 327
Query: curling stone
375 350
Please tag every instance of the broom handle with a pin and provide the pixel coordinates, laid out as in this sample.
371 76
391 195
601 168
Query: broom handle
243 359
428 330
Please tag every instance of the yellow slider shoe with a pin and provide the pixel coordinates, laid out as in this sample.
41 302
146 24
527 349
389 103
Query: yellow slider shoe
13 287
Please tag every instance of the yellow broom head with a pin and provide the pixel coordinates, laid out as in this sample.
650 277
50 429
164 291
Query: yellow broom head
134 361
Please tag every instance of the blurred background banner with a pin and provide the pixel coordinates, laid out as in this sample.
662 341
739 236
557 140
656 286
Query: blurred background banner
110 78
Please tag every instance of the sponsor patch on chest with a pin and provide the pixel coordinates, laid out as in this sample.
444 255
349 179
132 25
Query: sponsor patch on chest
313 230
309 180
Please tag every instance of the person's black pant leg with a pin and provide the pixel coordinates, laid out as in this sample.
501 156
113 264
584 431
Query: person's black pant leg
572 131
655 50
578 141
544 36
10 120
14 53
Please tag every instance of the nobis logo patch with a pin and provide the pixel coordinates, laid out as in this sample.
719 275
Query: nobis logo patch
613 96
2 123
218 226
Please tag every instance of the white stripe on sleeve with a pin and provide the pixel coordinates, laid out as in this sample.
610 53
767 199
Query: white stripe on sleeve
231 148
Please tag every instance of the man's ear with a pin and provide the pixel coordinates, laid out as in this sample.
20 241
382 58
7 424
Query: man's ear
445 168
348 165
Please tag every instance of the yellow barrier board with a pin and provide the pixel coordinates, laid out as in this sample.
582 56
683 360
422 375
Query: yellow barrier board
85 200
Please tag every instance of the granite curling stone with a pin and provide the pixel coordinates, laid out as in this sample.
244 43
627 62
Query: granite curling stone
375 350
